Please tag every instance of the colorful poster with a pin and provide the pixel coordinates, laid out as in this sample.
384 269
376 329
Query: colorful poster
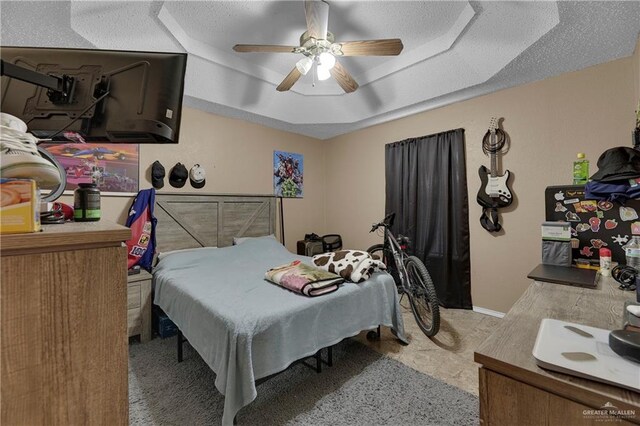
113 167
287 174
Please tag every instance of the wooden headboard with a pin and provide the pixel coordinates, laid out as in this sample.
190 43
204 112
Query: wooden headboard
210 220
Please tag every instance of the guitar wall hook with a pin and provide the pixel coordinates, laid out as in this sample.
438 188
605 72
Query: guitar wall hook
494 192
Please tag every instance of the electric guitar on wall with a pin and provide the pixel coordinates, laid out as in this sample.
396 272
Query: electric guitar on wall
494 190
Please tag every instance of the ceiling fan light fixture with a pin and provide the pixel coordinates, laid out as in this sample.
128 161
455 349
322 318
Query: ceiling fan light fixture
327 60
323 72
304 65
318 46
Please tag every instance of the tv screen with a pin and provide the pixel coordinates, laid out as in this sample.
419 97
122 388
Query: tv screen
109 96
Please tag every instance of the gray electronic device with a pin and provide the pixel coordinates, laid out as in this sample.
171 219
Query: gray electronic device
564 275
626 344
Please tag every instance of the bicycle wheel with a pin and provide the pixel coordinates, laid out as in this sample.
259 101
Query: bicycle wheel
377 252
422 297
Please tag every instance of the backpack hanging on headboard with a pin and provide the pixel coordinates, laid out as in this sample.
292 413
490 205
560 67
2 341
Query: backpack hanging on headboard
142 245
494 190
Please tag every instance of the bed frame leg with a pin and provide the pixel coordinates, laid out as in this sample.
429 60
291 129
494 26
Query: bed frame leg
330 356
180 340
374 335
319 361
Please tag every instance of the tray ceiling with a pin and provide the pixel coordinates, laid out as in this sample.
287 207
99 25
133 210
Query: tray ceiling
453 50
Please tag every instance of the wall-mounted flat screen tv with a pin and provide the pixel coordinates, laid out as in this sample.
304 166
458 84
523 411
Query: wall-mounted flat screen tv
101 95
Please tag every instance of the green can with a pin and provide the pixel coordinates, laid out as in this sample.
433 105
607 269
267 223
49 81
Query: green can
86 203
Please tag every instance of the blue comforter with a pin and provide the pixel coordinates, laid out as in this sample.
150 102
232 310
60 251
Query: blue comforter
246 328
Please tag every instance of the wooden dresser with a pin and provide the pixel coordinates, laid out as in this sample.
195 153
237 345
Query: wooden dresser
515 391
64 326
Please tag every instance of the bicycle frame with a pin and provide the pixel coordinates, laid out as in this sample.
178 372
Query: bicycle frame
391 244
410 275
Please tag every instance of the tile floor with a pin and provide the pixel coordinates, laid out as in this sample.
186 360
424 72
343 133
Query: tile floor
449 355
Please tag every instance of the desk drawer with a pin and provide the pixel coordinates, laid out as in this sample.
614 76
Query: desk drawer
506 401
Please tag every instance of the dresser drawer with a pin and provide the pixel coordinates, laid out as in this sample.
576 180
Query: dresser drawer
133 296
139 305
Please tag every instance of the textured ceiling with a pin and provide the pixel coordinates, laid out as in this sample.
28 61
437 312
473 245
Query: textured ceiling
453 50
426 29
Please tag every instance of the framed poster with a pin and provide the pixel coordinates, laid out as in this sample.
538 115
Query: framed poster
114 168
288 170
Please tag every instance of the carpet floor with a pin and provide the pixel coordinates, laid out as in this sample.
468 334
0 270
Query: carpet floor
362 388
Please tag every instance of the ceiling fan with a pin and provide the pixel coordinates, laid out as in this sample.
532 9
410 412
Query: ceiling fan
318 46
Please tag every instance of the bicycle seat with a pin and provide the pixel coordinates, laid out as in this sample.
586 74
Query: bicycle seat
388 219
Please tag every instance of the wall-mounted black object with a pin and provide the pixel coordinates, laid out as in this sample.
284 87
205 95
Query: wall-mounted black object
594 224
60 89
95 95
494 192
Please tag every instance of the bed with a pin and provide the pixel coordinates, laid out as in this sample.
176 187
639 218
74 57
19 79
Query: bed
243 327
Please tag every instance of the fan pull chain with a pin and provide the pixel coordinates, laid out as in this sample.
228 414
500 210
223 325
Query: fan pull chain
313 76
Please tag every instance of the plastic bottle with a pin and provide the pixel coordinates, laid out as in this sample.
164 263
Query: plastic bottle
632 252
86 203
580 170
605 262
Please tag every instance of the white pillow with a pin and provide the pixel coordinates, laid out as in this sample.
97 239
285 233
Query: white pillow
162 255
240 240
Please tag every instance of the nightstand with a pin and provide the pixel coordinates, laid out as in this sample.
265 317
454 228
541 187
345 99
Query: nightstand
139 305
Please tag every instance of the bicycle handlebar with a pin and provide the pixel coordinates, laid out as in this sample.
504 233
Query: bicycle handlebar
387 222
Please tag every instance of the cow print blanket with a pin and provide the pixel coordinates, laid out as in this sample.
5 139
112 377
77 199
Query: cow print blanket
352 265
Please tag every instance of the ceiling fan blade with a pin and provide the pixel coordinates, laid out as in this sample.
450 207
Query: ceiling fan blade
263 48
386 47
317 14
289 80
343 78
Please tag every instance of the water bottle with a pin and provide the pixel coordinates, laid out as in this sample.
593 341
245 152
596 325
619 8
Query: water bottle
580 170
632 252
605 262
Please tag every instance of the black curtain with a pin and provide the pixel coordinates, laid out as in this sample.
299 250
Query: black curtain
426 186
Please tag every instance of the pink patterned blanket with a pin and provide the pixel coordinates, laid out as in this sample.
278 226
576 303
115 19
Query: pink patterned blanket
304 279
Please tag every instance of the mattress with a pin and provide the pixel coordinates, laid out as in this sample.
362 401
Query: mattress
246 328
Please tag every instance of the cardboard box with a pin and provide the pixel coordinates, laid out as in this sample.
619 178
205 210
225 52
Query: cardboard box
19 206
556 231
162 324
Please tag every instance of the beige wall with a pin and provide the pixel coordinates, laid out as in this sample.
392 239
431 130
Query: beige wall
548 122
636 72
238 158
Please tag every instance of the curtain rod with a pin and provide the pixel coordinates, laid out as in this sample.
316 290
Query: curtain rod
426 136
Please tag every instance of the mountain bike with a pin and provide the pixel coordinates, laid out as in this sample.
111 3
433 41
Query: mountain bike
410 275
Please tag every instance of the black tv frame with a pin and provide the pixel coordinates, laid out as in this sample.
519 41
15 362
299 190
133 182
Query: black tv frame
72 88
